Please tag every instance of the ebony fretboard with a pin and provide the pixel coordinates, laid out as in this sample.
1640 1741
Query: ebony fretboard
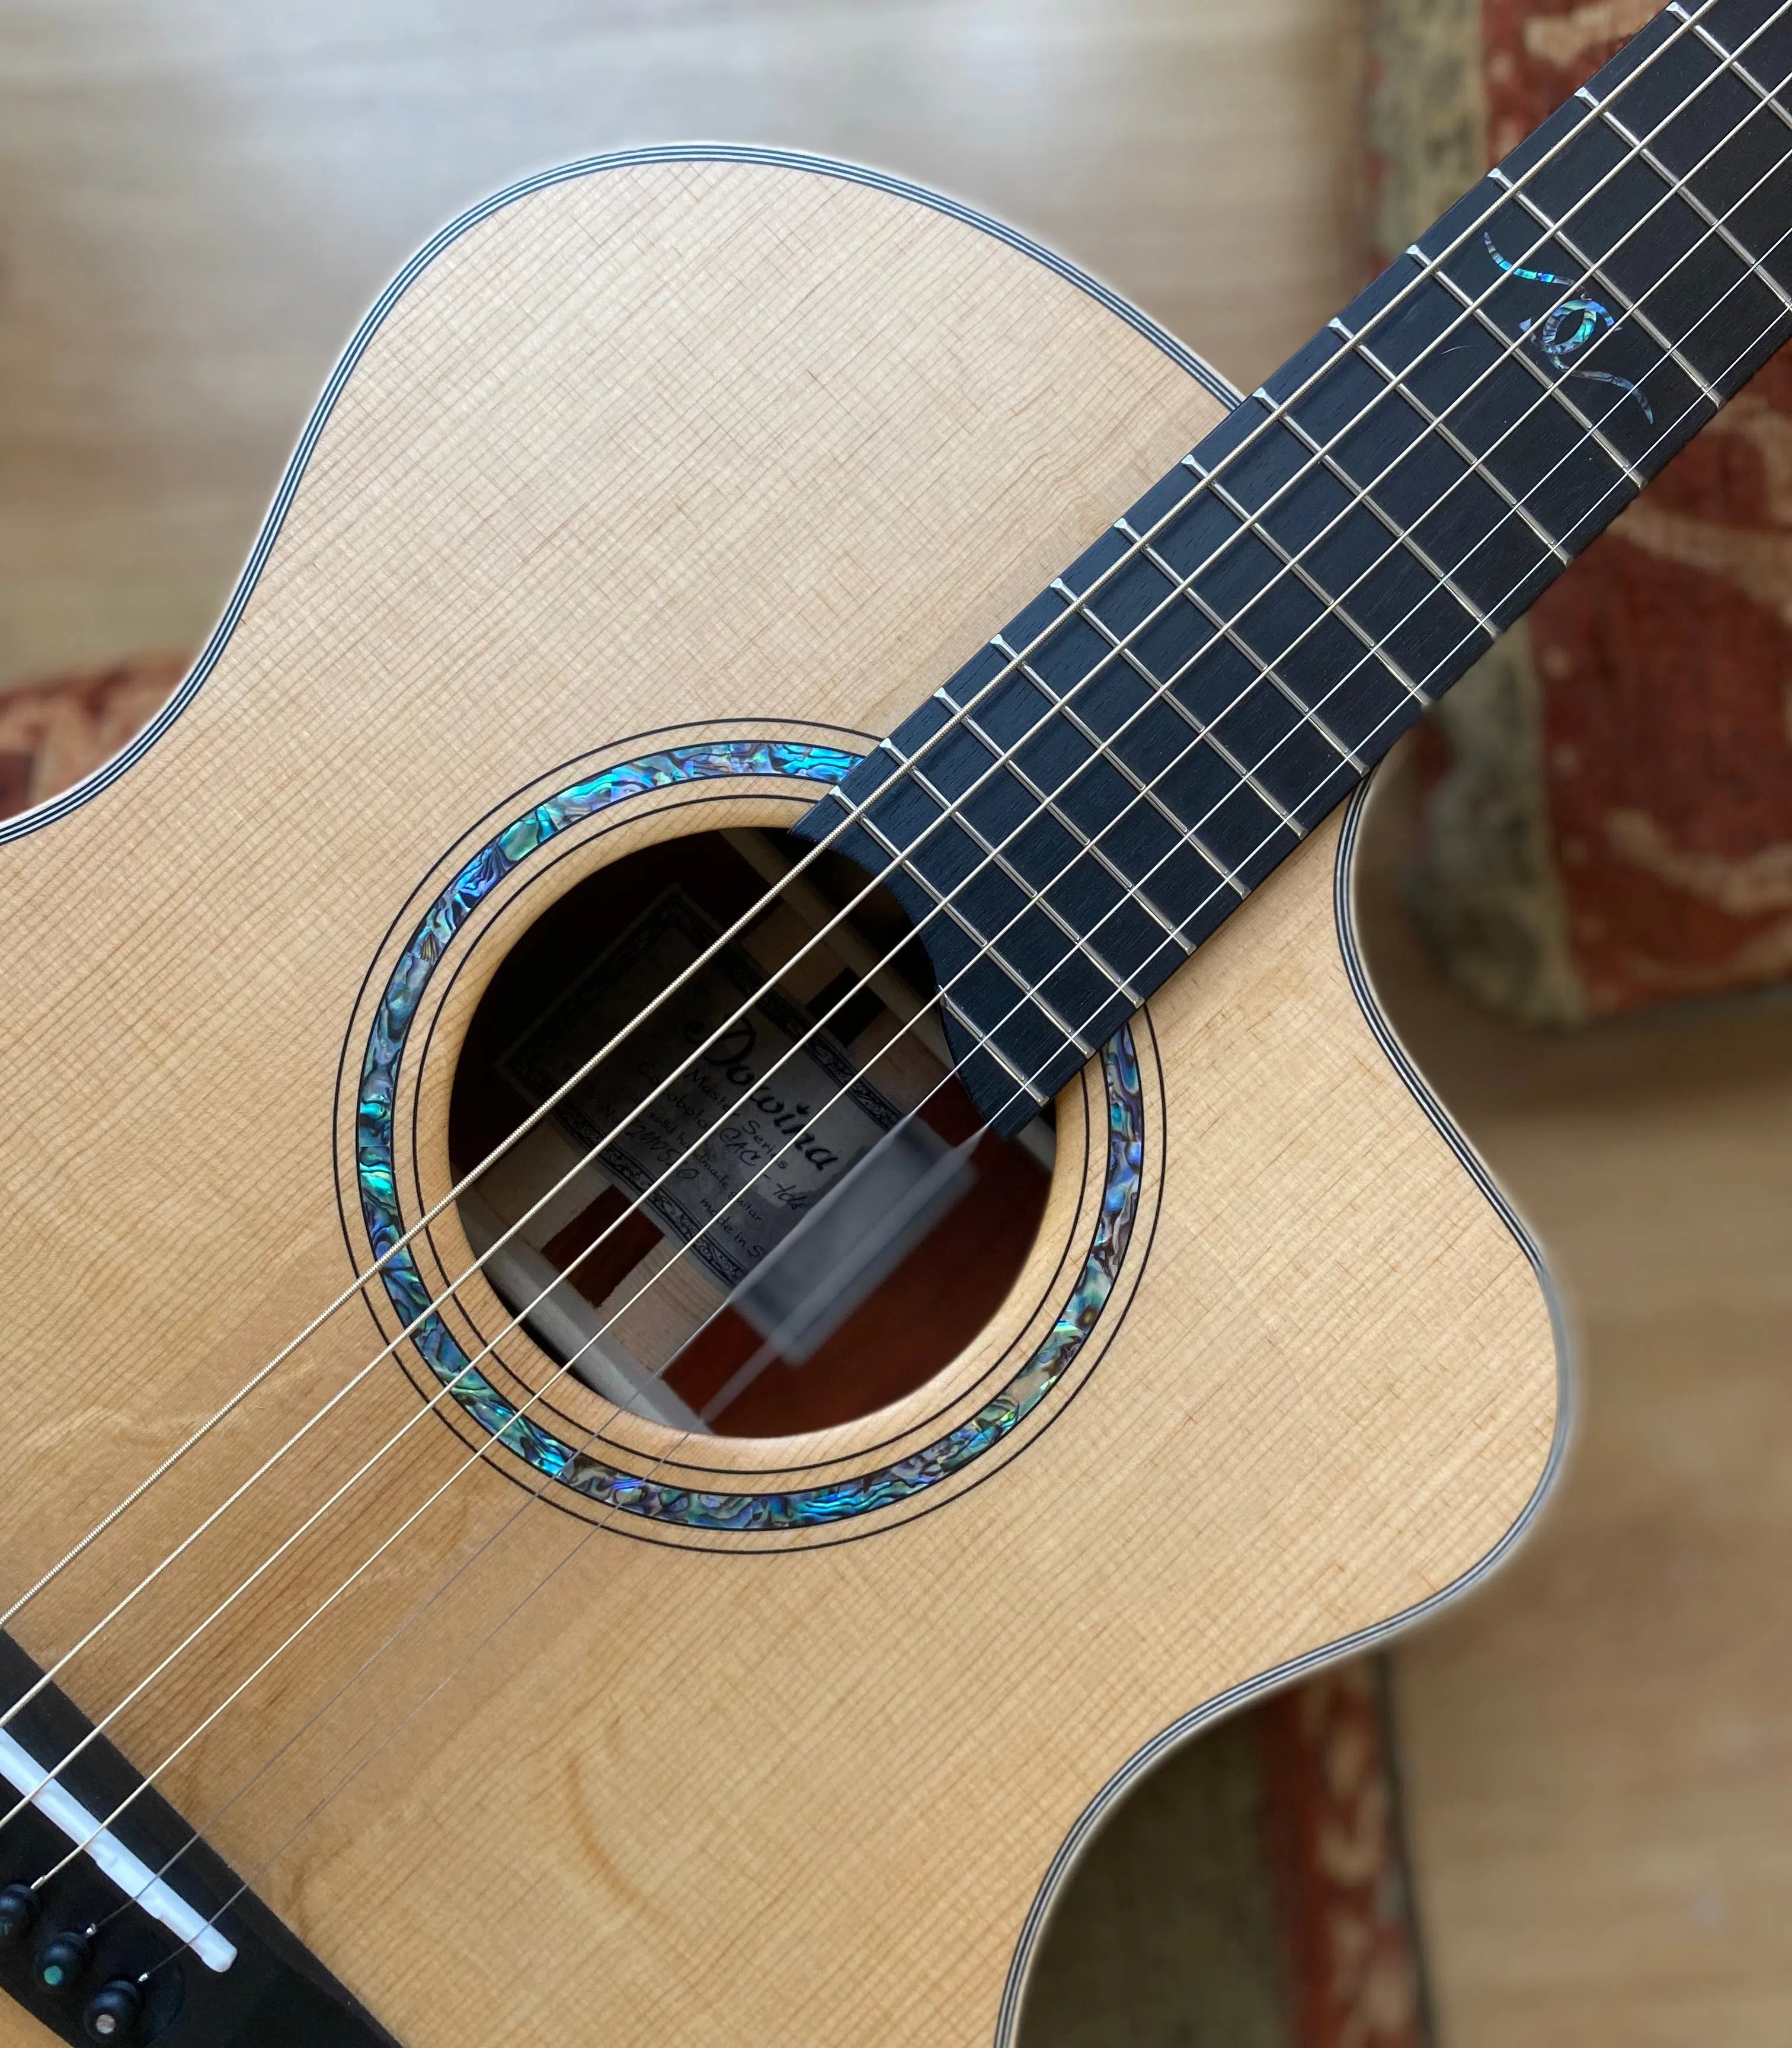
1101 784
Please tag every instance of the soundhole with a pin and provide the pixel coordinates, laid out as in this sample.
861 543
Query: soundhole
769 1206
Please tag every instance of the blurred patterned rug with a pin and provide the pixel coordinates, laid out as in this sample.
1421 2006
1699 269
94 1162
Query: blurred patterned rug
1610 812
1251 1893
53 733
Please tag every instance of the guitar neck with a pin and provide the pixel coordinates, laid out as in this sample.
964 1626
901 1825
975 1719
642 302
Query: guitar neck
1094 793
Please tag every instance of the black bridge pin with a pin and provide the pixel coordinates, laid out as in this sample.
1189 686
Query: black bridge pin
18 1911
63 1960
113 2011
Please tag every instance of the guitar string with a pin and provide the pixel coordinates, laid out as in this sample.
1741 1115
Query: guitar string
997 934
346 1782
1272 416
479 1455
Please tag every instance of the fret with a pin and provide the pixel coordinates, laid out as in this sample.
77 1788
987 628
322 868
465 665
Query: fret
1143 737
989 1075
1534 434
1155 827
1022 985
1145 732
1234 753
990 1001
1101 707
1685 287
1743 180
1275 620
1726 184
1507 530
1159 730
1015 929
1035 935
1233 575
1456 511
1167 713
1279 752
1500 553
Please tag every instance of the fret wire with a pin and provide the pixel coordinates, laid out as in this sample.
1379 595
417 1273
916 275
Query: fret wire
1201 734
1439 424
1228 630
1594 271
1646 155
1047 803
1472 310
1732 60
993 857
1092 849
1184 588
1436 422
987 1046
1062 707
1333 605
1420 554
1163 693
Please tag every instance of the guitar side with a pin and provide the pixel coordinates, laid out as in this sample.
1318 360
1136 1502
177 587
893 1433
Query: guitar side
661 452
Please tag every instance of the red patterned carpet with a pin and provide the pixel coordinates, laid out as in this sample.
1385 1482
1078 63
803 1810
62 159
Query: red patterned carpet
1611 817
53 733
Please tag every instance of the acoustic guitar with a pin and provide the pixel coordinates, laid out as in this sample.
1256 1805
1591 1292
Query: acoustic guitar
707 1217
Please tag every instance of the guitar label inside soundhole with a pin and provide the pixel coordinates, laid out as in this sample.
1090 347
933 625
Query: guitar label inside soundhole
749 1120
770 1206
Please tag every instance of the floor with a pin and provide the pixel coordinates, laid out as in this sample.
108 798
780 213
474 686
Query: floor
197 199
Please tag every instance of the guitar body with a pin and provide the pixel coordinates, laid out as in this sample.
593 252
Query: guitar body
678 480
